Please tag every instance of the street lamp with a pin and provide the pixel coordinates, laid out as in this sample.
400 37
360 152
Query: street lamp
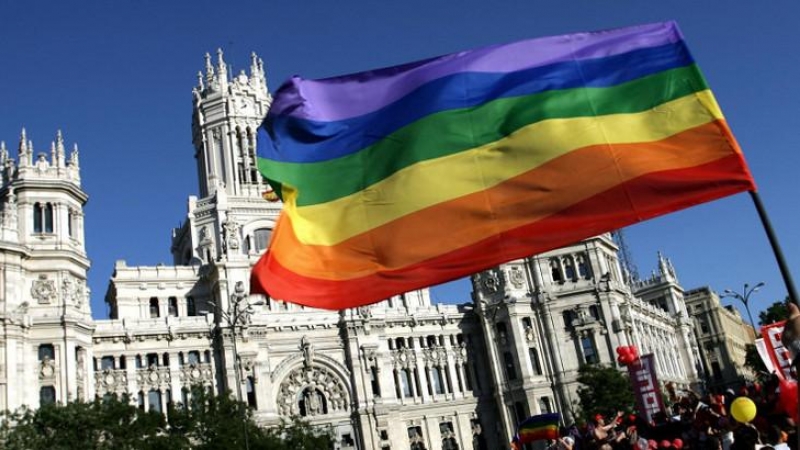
239 311
744 297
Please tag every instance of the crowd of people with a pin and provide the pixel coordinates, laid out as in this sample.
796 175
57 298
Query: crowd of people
703 422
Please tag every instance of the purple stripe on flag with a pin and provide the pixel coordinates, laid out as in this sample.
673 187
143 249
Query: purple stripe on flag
361 93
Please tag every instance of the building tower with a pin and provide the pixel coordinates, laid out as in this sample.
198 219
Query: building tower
44 300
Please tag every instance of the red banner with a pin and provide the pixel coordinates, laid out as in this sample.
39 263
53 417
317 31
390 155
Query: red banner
778 354
645 387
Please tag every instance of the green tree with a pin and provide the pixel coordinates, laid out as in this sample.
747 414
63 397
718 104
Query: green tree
753 361
209 423
100 425
603 390
774 313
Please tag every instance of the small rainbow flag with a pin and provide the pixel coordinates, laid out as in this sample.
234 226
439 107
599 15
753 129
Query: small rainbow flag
536 428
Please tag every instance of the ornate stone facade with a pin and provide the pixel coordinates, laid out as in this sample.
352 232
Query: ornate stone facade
402 373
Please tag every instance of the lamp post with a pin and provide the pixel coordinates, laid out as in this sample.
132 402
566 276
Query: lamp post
744 297
237 314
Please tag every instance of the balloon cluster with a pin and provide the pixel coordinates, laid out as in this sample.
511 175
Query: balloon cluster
627 355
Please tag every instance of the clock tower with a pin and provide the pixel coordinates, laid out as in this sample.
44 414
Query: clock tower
227 112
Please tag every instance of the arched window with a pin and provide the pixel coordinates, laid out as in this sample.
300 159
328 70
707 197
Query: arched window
153 307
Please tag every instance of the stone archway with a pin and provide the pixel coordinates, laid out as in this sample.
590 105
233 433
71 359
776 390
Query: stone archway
312 391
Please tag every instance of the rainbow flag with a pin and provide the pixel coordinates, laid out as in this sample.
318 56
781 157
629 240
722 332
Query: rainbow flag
410 176
536 428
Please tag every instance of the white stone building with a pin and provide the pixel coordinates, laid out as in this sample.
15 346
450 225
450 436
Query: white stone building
403 373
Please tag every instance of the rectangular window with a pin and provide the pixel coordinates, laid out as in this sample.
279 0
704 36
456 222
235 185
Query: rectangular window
405 382
107 362
37 218
47 351
47 395
48 218
172 305
437 380
191 309
154 400
589 352
152 359
373 376
251 393
536 365
511 371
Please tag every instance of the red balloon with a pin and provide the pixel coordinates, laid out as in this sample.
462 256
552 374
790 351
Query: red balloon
788 398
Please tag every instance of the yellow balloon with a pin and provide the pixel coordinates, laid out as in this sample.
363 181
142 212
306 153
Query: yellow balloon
743 409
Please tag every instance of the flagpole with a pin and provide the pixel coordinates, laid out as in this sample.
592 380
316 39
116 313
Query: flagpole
787 276
776 248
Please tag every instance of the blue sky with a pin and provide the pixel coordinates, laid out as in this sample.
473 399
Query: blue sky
116 77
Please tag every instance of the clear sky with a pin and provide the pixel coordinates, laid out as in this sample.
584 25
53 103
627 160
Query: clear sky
116 77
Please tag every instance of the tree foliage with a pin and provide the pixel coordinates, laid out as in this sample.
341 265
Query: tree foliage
774 313
603 390
753 361
209 423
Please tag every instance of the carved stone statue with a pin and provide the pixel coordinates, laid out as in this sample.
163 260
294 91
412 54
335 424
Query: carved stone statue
313 402
308 351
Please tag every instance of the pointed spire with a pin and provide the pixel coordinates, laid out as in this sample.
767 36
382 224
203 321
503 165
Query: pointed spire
73 157
222 70
3 154
209 69
200 85
53 157
23 143
59 160
662 263
254 65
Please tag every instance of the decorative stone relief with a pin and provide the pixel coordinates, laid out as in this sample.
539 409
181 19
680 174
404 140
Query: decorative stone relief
319 390
110 381
153 377
516 277
231 239
491 282
47 369
404 358
43 290
192 374
435 356
73 290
